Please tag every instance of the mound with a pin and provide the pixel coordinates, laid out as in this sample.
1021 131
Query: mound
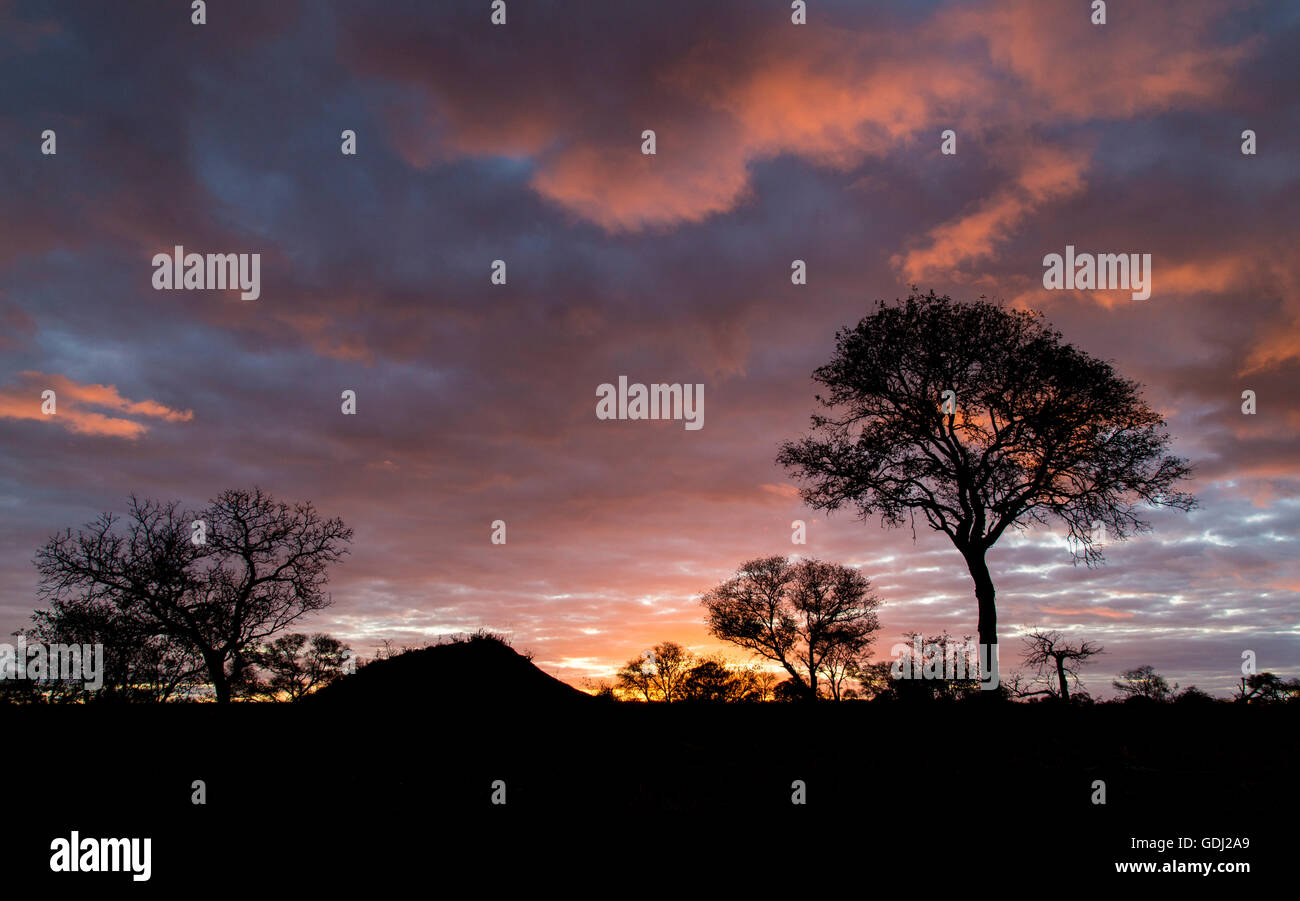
478 671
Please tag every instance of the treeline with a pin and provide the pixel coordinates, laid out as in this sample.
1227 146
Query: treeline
932 668
150 670
187 604
692 678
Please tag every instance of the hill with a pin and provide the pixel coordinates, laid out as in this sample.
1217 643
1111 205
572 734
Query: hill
468 672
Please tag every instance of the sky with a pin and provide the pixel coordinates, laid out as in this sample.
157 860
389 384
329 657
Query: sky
522 142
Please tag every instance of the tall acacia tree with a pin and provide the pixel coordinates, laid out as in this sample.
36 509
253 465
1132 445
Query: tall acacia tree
1033 431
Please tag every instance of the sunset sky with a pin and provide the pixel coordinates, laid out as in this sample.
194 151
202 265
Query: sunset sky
476 402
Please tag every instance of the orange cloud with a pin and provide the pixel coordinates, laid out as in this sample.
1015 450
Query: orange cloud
1160 57
836 97
1048 174
24 401
621 189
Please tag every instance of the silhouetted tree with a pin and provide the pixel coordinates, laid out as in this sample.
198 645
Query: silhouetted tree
260 567
841 666
945 669
873 680
386 650
710 680
1053 657
795 614
1193 695
1267 687
657 675
139 665
763 683
1035 431
788 690
1144 682
634 679
602 689
713 679
1018 686
297 665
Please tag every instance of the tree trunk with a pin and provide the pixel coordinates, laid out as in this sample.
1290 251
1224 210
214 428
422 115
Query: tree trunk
217 673
1065 685
797 679
984 594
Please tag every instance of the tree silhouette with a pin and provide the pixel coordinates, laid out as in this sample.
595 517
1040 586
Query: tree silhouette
711 680
1267 687
843 664
634 679
298 665
260 567
944 669
1034 431
798 614
659 674
1144 682
139 665
1194 696
1050 654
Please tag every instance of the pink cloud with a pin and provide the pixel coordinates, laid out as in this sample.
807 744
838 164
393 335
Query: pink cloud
72 400
1046 174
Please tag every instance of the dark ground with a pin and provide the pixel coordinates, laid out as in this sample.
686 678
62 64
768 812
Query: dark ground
319 792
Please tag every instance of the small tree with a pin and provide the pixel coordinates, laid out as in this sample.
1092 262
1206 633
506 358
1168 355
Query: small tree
1267 687
602 689
634 679
874 680
710 680
841 666
797 614
945 668
297 665
657 675
1144 682
1054 658
714 679
1193 695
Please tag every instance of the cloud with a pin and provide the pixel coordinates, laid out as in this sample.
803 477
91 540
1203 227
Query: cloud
1158 57
1046 175
722 101
24 401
